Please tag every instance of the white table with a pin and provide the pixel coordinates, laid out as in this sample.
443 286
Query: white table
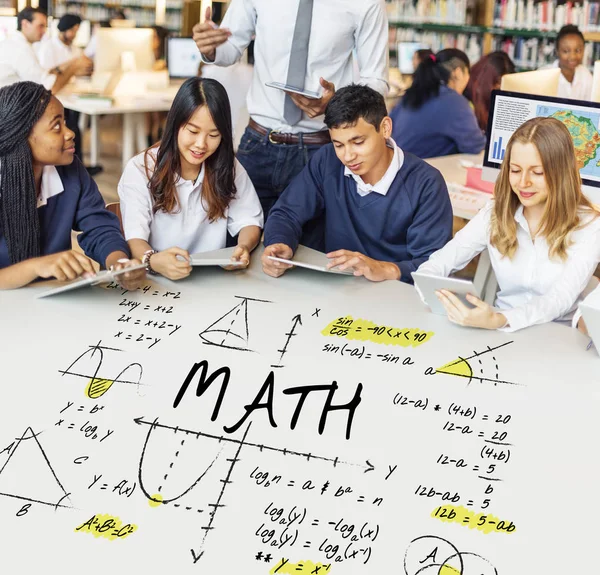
132 108
418 443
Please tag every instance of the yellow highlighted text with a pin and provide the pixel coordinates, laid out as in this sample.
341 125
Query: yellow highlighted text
285 567
106 526
98 387
365 330
484 522
156 500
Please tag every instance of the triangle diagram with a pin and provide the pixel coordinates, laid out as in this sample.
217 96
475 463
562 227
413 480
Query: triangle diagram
231 330
28 475
459 367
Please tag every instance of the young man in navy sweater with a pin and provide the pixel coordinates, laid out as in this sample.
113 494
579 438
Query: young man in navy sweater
385 211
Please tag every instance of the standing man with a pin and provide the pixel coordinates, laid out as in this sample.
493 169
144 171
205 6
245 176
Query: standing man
19 63
307 44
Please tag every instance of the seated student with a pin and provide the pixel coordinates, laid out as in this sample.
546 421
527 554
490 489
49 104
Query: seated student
385 211
433 118
420 55
45 193
541 232
575 80
485 77
184 194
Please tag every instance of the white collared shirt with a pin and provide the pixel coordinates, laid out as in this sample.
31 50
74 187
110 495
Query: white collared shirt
383 185
338 27
188 228
51 185
18 63
53 52
534 289
581 86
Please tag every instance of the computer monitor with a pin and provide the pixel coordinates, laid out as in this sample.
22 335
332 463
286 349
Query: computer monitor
112 43
540 82
8 24
406 52
596 82
183 57
509 110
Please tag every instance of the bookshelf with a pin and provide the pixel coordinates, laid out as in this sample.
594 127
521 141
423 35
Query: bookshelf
525 29
142 12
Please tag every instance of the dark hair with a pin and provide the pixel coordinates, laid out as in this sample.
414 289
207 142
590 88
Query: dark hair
162 34
21 106
28 14
353 102
218 188
68 21
485 77
432 73
568 30
424 53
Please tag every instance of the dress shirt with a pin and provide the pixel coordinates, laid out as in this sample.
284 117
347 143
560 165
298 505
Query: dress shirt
534 289
383 185
51 185
188 228
581 86
53 52
18 63
338 28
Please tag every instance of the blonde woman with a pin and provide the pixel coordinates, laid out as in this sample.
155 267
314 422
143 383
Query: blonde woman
542 234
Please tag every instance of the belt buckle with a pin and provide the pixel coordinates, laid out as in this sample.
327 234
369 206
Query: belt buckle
273 132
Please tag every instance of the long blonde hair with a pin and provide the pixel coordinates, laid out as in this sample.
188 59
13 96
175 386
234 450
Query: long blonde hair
562 212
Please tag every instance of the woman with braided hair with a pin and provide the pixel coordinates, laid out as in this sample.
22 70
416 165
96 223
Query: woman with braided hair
45 192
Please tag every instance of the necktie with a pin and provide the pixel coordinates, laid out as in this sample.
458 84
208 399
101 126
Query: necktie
298 59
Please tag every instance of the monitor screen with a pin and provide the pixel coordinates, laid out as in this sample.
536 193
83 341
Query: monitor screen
183 57
511 109
406 51
8 24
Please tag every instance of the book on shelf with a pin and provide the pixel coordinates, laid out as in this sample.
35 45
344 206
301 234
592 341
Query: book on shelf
431 11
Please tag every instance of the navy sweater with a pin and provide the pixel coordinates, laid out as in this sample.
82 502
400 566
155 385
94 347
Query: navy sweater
443 125
79 207
408 224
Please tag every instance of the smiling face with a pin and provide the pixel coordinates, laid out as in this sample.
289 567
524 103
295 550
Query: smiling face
68 36
51 142
570 52
527 178
362 148
197 140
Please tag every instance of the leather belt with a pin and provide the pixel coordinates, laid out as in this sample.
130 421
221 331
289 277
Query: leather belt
275 137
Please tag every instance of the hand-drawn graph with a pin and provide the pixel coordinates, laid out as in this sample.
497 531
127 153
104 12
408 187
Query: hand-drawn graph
98 386
482 366
431 555
204 461
296 321
28 475
231 330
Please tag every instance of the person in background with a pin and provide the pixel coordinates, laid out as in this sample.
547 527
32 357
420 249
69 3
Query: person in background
155 120
541 232
45 193
485 77
575 80
184 195
307 44
18 61
385 210
421 55
434 118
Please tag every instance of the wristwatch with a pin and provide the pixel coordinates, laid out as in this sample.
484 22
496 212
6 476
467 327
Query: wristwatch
146 261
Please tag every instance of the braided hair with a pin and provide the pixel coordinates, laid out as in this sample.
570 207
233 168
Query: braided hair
21 106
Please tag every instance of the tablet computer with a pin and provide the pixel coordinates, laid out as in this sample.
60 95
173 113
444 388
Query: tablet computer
215 258
313 262
591 316
428 284
105 276
286 88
